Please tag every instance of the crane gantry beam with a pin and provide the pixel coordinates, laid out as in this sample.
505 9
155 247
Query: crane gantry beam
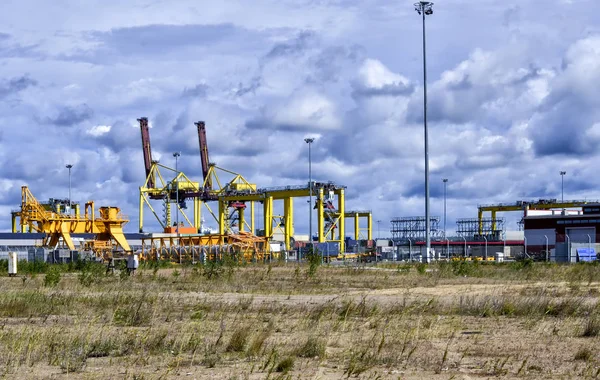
541 204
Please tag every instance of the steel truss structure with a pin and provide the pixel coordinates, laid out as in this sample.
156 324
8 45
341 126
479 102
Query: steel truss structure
477 229
233 197
414 227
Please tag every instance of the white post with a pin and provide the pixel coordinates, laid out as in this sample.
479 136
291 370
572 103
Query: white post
465 245
409 249
547 253
568 247
485 247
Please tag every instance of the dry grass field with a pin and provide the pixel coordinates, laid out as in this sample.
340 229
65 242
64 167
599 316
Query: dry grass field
286 321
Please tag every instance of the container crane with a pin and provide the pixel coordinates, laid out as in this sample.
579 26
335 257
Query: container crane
48 218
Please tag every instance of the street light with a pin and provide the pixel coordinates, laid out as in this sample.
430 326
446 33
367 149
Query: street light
309 141
445 180
177 155
562 186
69 166
425 8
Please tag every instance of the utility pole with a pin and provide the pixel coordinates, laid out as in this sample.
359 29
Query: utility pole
309 141
562 186
177 155
69 166
445 180
425 8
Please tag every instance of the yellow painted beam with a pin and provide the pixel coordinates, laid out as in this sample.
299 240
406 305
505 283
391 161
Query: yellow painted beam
356 227
252 227
320 217
342 219
288 215
141 215
241 220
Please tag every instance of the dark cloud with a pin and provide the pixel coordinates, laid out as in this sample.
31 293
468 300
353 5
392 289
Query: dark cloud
397 89
292 47
198 91
15 85
251 88
71 115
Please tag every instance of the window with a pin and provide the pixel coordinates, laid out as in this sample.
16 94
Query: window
560 222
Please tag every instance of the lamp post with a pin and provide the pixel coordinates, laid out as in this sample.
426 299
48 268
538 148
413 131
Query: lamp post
177 155
425 8
69 166
445 180
309 141
562 186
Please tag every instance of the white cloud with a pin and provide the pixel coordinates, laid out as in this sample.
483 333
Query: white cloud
98 130
508 104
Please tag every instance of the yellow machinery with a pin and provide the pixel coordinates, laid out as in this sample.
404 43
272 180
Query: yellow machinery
330 227
52 221
204 247
233 197
181 188
541 204
356 215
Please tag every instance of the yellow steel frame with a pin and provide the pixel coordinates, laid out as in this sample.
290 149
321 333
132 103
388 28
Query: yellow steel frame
270 220
494 209
33 216
163 188
215 246
356 216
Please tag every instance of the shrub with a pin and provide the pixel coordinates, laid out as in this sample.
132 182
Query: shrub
314 261
237 342
91 273
52 277
285 365
313 347
584 354
592 327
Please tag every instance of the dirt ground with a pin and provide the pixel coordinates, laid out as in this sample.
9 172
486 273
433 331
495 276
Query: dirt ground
286 322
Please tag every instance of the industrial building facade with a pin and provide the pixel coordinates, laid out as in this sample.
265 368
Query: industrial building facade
560 235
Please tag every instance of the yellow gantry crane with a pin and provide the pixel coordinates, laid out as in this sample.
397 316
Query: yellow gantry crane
168 190
541 204
233 196
49 218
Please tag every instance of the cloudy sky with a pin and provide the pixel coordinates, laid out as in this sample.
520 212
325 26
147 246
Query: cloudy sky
513 88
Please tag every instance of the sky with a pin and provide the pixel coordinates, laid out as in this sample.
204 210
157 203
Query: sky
512 88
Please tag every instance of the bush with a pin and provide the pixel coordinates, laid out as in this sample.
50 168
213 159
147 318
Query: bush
592 327
421 268
313 347
238 340
314 261
91 273
52 277
285 365
584 354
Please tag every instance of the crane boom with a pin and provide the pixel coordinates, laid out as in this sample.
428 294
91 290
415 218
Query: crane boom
204 154
147 149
